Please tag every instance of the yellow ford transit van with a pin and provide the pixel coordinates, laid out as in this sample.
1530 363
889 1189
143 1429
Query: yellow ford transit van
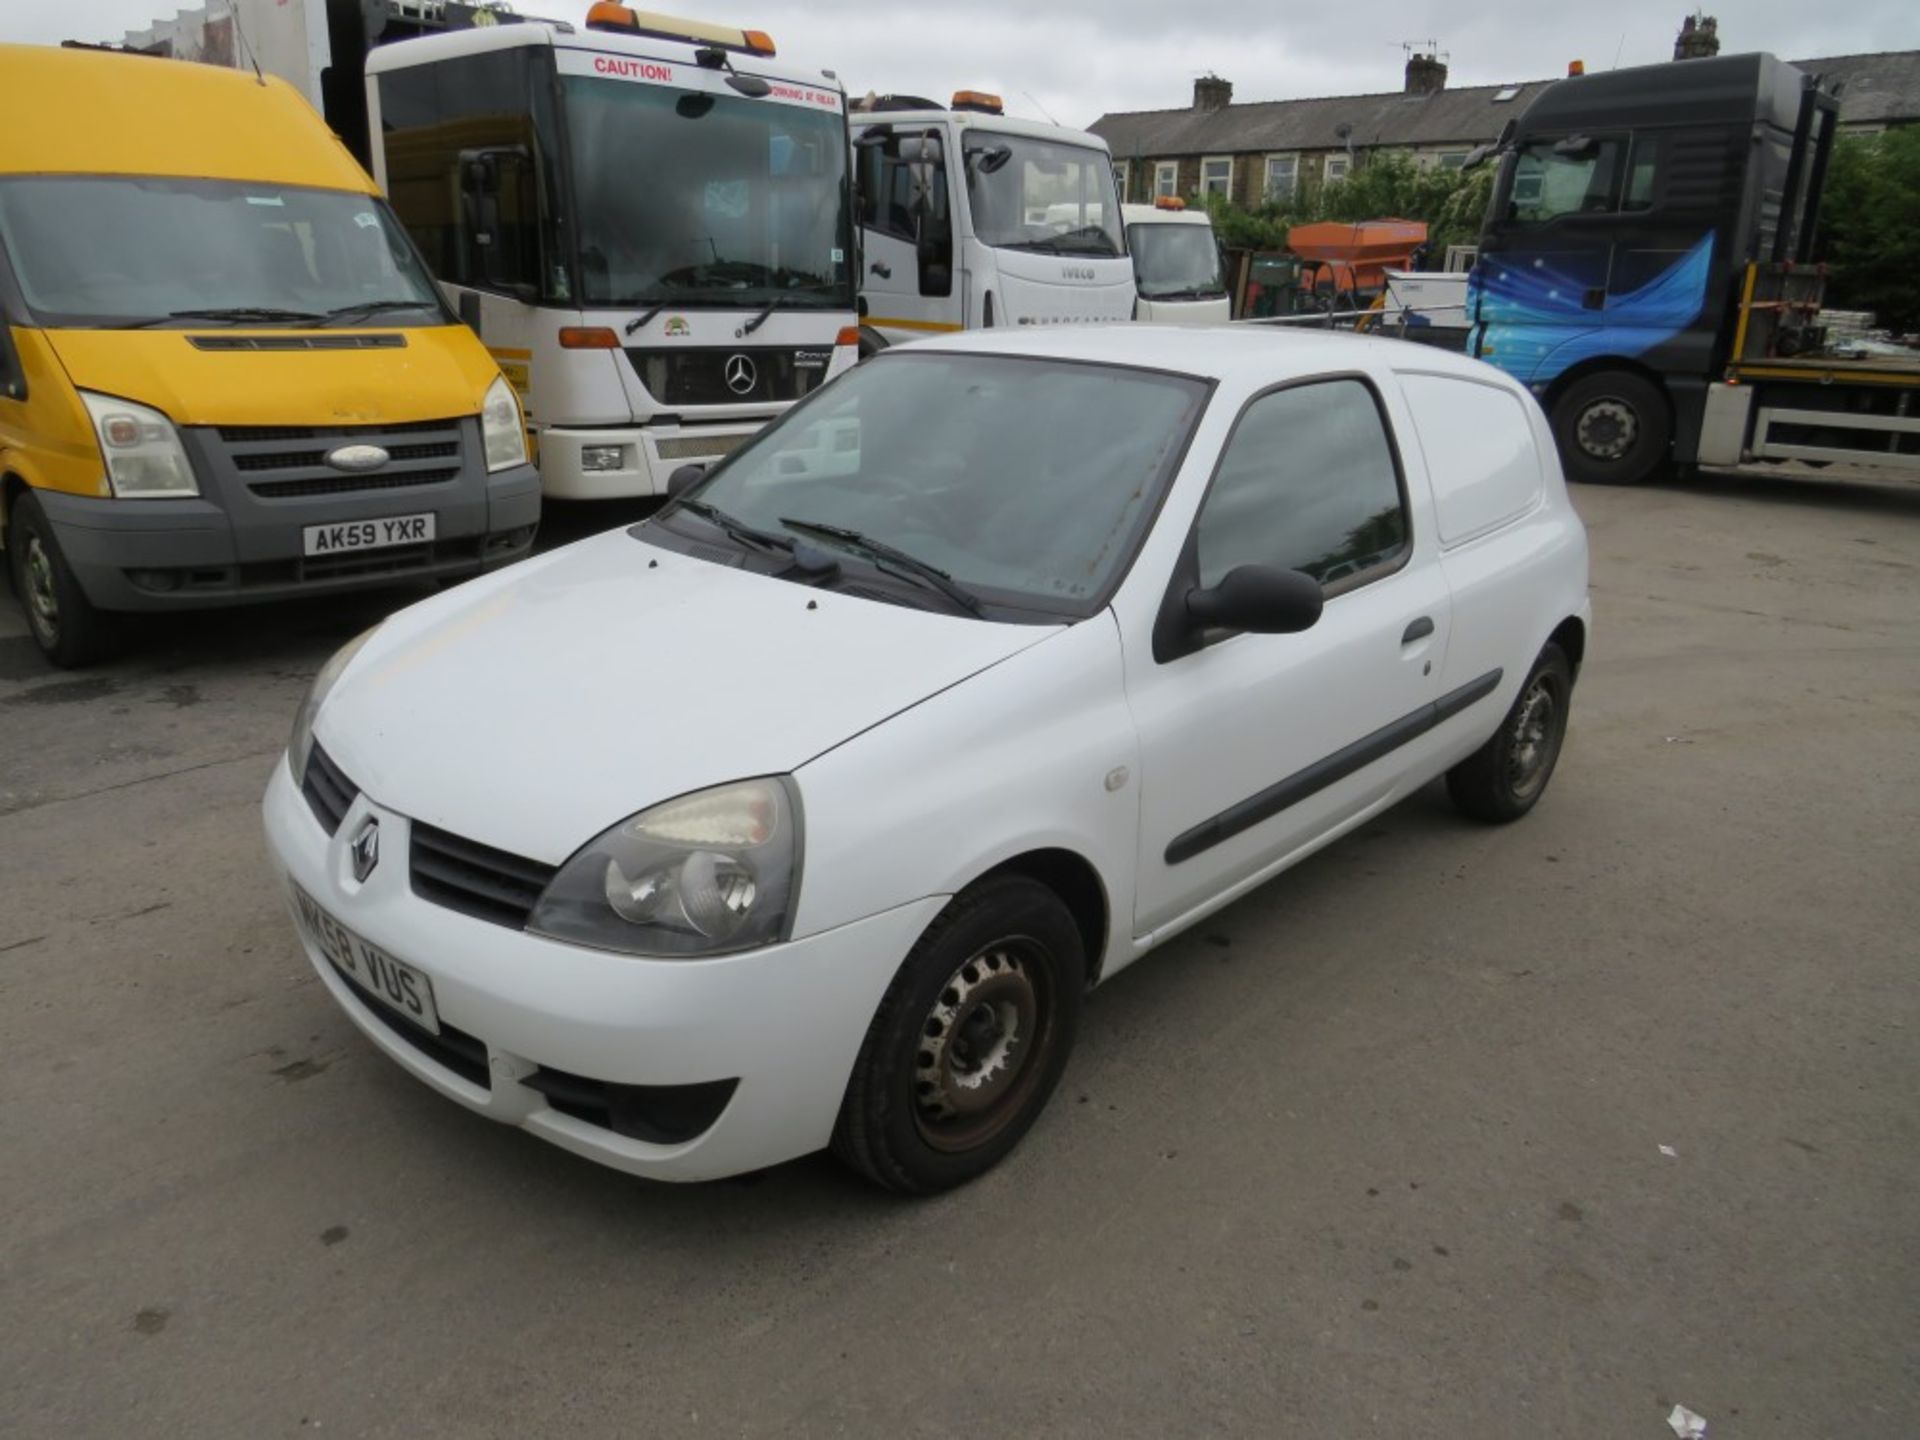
225 373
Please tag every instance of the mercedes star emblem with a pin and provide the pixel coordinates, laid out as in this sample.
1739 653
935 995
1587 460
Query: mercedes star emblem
740 375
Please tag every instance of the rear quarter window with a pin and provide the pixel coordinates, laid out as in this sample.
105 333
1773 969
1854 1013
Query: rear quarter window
1479 448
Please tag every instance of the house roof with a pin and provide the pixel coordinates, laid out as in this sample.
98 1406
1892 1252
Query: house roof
1873 89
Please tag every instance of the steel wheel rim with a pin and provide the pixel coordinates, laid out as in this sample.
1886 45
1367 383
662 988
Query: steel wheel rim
1534 739
982 1045
43 600
1607 429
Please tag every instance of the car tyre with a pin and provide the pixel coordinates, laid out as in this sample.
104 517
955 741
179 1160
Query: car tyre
1506 777
1612 427
969 1041
66 626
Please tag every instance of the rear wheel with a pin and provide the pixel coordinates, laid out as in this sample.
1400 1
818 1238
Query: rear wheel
1506 777
969 1041
1612 427
63 622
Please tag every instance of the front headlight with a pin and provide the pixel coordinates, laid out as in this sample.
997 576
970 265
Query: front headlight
300 743
707 874
142 450
501 427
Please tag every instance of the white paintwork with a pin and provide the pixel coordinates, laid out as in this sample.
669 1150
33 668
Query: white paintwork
926 750
1478 449
570 391
1029 290
1215 310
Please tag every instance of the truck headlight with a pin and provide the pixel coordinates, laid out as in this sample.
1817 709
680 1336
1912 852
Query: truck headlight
501 427
142 450
300 743
706 874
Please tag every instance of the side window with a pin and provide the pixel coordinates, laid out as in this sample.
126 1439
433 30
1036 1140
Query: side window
1479 449
1308 482
1643 174
1548 185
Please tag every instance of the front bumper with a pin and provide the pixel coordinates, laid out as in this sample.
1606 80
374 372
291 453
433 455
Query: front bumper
648 456
785 1022
241 540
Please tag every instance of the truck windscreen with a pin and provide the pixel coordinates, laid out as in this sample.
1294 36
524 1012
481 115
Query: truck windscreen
1175 262
96 250
1030 194
692 199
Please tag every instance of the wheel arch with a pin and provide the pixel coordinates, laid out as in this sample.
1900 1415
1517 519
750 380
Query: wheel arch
1072 877
1599 364
1571 636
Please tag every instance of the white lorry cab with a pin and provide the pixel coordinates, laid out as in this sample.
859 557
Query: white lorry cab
1176 264
970 220
647 221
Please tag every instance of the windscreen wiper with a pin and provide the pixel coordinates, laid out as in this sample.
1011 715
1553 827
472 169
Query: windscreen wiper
738 529
362 309
647 319
765 315
232 315
886 557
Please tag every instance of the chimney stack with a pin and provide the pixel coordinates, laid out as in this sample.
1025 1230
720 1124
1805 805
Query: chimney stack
1699 37
1426 74
1210 92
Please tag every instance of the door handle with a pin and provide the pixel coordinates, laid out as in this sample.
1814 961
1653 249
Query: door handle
882 269
1417 630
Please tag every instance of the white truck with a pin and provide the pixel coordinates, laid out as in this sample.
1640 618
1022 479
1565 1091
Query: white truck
971 220
648 221
1176 264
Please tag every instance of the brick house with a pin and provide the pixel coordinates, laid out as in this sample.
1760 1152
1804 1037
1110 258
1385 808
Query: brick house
1289 148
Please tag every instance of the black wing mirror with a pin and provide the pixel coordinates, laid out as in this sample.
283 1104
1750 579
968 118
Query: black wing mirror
1577 147
1261 599
684 479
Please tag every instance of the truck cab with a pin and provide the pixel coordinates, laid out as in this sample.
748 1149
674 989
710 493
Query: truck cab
1628 209
970 220
648 221
1176 264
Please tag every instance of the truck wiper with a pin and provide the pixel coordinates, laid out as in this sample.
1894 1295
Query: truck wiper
738 529
360 310
647 319
765 315
879 551
232 315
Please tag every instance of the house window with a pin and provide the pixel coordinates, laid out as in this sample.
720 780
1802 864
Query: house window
1120 179
1283 178
1337 166
1216 176
1452 159
1166 178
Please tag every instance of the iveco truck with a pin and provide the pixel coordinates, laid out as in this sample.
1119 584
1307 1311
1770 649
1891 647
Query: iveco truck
1647 268
970 220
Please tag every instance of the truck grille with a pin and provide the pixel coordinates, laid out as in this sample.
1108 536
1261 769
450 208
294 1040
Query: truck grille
699 377
280 462
476 879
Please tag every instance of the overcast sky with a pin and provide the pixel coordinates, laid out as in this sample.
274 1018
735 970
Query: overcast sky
1077 59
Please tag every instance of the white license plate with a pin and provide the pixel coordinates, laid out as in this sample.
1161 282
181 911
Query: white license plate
394 983
367 534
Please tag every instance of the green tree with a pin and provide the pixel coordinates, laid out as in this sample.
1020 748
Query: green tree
1870 226
1385 185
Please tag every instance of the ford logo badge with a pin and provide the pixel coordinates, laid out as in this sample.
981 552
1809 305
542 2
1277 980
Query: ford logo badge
357 459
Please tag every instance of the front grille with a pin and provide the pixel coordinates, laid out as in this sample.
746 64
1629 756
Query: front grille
297 459
330 794
465 1055
476 879
298 342
338 435
699 377
348 484
699 447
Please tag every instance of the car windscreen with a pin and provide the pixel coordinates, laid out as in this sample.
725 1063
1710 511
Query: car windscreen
1029 194
1027 481
116 250
1175 262
687 198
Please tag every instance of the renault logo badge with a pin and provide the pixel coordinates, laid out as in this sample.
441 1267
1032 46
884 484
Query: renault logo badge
364 852
740 375
357 459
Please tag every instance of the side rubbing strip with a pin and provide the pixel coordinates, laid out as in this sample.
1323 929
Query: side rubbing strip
1245 814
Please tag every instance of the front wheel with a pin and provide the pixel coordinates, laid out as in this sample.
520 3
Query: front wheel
1612 427
969 1041
63 622
1506 777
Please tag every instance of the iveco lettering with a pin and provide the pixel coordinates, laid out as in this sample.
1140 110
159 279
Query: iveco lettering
993 665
